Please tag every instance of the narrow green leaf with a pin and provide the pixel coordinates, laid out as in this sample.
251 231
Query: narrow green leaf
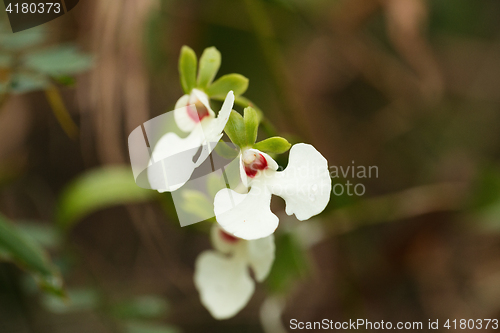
251 124
187 69
24 251
235 82
274 145
98 189
58 61
209 66
235 129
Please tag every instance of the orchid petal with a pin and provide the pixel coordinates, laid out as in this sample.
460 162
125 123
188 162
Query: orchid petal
224 283
173 160
181 116
305 184
215 126
260 255
203 98
246 216
222 245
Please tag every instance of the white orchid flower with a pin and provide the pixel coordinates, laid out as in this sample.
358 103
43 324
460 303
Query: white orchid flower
192 115
223 277
305 185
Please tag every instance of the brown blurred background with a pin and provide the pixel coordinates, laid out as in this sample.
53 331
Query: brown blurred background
409 86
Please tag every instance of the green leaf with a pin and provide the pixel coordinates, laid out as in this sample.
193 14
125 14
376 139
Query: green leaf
143 307
25 252
98 189
209 66
187 69
274 145
235 129
226 150
78 300
58 61
251 124
139 327
23 39
22 83
235 82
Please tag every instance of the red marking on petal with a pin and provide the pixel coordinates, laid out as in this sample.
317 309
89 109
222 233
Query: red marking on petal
227 237
197 112
260 163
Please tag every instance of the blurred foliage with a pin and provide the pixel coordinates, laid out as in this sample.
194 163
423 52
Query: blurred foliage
30 66
97 189
18 247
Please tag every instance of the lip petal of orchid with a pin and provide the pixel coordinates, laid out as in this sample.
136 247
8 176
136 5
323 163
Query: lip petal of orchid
173 157
224 283
246 216
260 255
271 163
203 98
305 184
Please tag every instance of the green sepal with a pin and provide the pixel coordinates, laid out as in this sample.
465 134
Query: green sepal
209 66
235 82
187 69
251 119
274 145
235 129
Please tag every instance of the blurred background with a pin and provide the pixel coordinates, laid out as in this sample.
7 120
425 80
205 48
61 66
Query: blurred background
409 86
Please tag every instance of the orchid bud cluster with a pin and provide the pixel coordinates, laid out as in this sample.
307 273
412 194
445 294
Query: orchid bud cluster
243 235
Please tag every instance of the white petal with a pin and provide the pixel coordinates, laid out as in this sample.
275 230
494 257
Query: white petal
182 102
216 126
222 245
181 116
246 216
173 160
224 284
260 255
305 184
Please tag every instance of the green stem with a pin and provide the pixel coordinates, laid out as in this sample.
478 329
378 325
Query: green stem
61 112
